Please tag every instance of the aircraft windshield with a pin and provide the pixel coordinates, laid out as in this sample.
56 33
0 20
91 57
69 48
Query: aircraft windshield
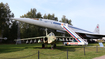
51 34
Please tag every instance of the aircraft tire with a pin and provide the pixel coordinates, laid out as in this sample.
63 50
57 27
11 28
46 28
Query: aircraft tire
65 44
43 45
54 45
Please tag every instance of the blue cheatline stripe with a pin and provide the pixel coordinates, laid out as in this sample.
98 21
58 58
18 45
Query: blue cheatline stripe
80 29
72 34
56 23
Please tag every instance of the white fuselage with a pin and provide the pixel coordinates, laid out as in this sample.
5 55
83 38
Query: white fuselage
49 24
42 22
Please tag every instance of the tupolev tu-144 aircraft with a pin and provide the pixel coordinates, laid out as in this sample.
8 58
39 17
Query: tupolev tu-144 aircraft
78 34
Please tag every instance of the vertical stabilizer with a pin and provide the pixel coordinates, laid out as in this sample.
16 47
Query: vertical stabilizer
97 29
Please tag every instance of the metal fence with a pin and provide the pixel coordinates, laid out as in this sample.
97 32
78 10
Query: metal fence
38 53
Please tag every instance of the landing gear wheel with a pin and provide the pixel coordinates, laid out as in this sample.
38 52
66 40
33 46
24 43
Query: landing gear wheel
54 45
51 46
43 45
65 44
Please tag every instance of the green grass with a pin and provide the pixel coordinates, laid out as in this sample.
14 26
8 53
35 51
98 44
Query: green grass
30 51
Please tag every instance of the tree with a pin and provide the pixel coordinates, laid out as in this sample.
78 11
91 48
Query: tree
29 30
5 22
49 16
38 15
5 14
69 22
45 16
65 20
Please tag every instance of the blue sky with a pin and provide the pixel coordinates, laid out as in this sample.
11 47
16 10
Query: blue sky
85 14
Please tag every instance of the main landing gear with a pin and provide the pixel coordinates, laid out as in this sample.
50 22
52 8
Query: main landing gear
43 45
52 46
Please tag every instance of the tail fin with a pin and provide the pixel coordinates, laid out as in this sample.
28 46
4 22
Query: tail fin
97 29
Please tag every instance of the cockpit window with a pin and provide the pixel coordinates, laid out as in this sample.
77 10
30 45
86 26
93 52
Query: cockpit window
51 34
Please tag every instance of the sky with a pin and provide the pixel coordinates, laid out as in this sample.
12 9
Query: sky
85 14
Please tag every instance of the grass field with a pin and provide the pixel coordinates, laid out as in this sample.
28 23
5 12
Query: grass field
30 51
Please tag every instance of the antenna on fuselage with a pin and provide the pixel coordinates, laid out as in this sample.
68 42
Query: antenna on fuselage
46 31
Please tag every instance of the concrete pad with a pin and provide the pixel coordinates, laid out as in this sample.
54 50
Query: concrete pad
102 57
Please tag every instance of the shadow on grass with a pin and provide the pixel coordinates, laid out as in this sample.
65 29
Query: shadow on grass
62 48
12 48
7 50
20 47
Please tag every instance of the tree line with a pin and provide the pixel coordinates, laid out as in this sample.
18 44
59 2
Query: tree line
9 28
